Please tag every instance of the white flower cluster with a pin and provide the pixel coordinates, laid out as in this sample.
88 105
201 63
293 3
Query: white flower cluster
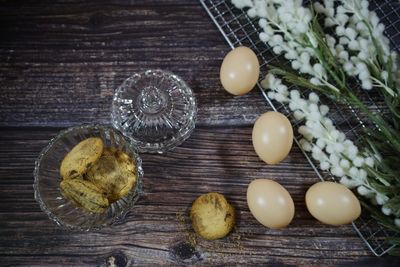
328 145
286 29
355 27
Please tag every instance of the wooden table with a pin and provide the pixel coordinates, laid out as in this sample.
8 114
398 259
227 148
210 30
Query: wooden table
60 62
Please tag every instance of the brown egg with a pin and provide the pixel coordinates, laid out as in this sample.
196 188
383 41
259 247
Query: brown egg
239 71
272 137
332 203
270 203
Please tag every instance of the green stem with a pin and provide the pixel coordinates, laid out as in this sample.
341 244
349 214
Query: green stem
384 86
383 126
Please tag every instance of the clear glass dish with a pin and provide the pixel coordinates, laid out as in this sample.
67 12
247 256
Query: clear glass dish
156 109
47 179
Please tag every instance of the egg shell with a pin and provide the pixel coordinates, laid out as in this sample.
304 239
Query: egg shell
270 203
332 203
272 137
239 71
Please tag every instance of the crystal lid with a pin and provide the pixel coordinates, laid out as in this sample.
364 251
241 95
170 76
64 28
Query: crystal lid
156 109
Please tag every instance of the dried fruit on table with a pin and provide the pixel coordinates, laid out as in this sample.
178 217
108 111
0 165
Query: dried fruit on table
81 157
212 216
85 194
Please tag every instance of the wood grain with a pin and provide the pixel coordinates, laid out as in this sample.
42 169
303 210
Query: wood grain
211 160
82 52
59 64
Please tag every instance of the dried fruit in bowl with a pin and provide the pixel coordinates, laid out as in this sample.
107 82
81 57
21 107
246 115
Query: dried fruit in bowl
84 194
94 176
81 158
114 173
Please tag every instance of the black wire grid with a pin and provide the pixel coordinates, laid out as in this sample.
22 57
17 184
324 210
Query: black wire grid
239 29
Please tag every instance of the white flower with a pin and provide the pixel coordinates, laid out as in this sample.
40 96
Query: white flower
337 171
324 165
348 66
252 12
323 109
321 143
313 97
282 89
350 33
315 81
344 55
354 45
264 37
339 147
352 151
340 30
363 55
277 50
334 159
344 163
277 38
298 115
386 211
329 22
291 54
381 199
362 174
353 172
318 7
358 161
369 161
301 27
313 107
271 95
335 134
303 130
319 70
341 139
367 84
364 75
305 145
350 183
296 64
362 190
280 98
242 3
384 75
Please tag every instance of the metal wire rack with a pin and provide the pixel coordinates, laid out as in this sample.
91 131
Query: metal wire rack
239 29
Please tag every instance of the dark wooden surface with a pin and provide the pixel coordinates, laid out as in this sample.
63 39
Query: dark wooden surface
59 64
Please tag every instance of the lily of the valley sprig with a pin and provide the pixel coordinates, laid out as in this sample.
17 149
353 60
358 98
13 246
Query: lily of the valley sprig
359 43
328 145
350 44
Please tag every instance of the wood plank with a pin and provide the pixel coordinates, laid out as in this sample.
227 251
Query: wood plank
81 52
59 64
212 159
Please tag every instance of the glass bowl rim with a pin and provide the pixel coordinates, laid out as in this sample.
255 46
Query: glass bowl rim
44 151
185 131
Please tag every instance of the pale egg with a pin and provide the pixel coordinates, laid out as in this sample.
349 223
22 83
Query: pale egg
239 71
272 137
270 203
332 203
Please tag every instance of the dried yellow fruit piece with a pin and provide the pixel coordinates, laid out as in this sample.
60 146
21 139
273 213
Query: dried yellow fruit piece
114 173
212 216
84 194
81 158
